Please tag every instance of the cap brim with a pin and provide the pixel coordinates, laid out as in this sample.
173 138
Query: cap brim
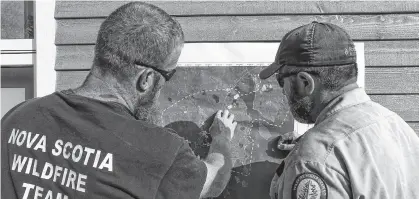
269 71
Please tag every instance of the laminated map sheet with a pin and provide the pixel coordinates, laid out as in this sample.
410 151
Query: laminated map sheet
214 76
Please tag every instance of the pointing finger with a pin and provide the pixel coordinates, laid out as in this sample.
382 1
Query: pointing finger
218 114
226 114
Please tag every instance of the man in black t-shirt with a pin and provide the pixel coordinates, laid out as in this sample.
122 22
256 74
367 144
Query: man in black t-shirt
99 140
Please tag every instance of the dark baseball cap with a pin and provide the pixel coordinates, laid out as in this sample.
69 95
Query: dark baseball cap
311 45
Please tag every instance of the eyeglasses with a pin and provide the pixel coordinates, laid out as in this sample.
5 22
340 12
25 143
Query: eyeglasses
166 74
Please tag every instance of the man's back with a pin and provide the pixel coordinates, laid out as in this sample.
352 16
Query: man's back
68 145
359 149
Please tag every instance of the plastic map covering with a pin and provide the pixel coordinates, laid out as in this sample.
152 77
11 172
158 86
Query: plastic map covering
216 76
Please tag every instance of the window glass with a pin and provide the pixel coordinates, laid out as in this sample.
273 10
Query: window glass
17 20
17 85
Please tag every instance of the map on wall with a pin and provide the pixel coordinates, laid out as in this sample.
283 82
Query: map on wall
218 76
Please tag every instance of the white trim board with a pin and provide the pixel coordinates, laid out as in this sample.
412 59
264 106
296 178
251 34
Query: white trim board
17 45
228 53
45 24
17 60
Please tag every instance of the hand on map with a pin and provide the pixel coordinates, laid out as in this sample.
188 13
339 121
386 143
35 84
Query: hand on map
223 124
280 146
287 141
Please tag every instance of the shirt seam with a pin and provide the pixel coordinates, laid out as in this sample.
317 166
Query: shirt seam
311 43
120 108
347 135
297 146
334 112
158 188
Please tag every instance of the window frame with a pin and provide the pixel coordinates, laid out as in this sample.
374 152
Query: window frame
17 52
39 52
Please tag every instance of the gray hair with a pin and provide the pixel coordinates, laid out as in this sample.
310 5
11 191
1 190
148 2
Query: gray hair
332 77
136 32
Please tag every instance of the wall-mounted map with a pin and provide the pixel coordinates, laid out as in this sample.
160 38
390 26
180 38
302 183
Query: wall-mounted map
259 106
225 76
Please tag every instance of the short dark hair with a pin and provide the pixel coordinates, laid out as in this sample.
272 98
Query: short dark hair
331 77
136 31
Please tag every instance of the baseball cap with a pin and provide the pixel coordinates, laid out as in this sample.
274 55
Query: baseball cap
311 45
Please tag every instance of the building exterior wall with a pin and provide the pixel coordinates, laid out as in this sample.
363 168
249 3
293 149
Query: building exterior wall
389 30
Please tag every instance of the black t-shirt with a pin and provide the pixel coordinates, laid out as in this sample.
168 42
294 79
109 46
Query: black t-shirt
68 146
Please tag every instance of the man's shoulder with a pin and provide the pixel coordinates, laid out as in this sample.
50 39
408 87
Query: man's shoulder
355 117
319 143
314 145
316 149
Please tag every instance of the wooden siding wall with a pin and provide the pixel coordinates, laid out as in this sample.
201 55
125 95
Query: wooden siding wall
389 29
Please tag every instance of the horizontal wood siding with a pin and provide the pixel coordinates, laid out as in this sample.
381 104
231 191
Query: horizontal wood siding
389 29
415 126
92 9
258 28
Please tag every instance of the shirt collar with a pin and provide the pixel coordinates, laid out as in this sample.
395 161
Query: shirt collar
114 106
347 99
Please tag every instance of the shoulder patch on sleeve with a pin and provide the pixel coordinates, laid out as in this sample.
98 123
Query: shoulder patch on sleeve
309 186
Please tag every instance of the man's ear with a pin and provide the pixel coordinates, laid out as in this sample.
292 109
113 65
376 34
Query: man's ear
145 80
305 83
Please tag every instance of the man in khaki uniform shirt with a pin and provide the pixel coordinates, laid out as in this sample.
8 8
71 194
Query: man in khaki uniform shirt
357 148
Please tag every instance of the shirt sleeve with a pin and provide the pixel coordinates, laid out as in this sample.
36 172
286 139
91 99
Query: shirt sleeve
305 179
185 178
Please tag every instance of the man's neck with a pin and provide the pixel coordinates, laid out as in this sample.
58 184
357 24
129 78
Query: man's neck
102 89
326 97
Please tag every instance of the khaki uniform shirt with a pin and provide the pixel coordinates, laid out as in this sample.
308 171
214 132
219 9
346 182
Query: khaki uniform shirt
357 149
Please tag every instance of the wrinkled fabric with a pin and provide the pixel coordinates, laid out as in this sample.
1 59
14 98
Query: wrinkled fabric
358 149
92 149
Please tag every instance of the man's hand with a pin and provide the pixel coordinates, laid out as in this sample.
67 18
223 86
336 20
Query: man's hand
218 161
281 146
223 124
286 142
